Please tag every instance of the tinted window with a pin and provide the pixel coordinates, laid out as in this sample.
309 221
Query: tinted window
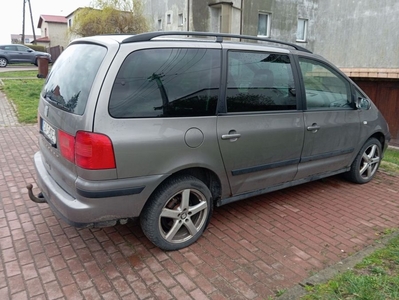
11 48
22 48
259 82
325 87
71 77
167 83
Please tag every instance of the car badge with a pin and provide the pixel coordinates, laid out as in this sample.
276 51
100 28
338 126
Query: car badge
46 110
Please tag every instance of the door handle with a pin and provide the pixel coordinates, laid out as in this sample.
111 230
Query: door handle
232 136
314 128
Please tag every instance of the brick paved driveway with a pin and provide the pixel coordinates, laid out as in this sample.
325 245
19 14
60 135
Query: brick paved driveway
251 248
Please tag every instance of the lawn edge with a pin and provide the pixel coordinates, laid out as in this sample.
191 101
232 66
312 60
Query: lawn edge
328 273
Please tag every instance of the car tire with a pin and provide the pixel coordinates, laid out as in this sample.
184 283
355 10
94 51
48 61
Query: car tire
366 163
177 214
3 62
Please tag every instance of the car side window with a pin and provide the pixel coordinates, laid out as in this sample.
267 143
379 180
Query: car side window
325 88
167 83
22 49
10 48
259 81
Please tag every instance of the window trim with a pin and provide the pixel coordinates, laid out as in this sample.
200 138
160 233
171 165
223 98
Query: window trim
180 20
305 30
268 23
160 24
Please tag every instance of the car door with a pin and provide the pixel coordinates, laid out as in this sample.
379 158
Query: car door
11 52
261 132
332 126
24 54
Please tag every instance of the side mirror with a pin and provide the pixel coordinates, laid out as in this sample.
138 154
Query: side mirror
30 50
362 103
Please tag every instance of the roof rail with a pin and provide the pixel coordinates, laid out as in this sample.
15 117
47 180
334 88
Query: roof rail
142 37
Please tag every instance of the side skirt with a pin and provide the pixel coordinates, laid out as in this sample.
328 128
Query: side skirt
284 185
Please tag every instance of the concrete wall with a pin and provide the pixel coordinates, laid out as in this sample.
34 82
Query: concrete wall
358 34
351 34
58 34
284 18
225 16
308 9
158 10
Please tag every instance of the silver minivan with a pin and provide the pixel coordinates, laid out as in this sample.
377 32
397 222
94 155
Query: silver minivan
164 129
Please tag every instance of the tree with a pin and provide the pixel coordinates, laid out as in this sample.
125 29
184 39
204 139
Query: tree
110 16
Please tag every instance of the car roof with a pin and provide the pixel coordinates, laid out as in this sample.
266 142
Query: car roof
193 36
218 37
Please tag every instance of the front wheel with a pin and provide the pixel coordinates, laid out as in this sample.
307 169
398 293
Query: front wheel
177 213
3 62
366 162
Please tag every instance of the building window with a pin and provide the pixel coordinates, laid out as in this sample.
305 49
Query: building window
301 30
45 31
169 18
159 24
264 24
181 21
69 23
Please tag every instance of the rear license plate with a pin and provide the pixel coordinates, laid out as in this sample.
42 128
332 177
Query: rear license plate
49 132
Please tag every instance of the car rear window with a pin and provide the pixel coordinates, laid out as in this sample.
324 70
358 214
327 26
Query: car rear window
71 77
167 83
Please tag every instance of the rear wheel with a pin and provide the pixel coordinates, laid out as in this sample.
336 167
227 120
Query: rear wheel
366 163
3 62
177 214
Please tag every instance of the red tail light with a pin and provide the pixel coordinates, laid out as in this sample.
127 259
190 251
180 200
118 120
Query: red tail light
87 150
66 142
94 151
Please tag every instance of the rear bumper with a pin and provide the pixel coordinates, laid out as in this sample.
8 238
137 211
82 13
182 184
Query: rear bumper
95 209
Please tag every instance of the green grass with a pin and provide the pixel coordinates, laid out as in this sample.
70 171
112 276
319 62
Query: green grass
390 162
18 74
375 278
24 93
392 156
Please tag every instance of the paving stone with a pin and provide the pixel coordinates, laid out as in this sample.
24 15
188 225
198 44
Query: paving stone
250 249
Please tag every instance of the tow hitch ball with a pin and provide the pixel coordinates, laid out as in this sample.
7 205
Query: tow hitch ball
38 199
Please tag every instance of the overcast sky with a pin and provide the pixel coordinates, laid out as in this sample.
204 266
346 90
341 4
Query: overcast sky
12 12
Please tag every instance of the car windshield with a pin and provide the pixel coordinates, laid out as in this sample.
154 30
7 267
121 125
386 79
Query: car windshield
70 80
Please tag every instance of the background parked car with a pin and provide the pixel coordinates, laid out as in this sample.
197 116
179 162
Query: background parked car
10 54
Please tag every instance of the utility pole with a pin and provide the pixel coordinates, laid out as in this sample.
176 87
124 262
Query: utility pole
33 26
23 24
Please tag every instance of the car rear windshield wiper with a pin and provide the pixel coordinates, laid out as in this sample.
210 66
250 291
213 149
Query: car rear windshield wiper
57 104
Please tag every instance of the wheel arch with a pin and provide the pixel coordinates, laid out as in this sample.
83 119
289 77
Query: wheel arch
207 176
380 137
